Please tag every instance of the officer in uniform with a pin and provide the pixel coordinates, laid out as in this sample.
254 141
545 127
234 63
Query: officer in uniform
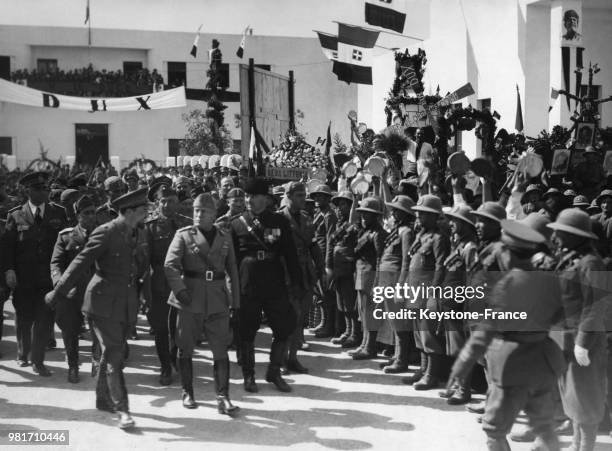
310 261
113 187
603 219
584 296
340 269
67 199
111 297
522 362
369 249
130 178
31 232
198 260
235 202
428 254
262 239
159 231
70 242
324 222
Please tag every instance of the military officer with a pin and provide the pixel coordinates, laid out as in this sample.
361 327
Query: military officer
70 242
340 269
198 261
311 263
583 279
262 239
369 249
603 219
67 199
113 187
428 254
522 362
159 231
111 297
236 204
183 186
324 222
31 232
226 184
131 179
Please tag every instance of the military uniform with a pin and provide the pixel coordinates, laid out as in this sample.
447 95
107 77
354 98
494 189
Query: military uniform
105 213
28 246
69 243
111 298
262 242
7 203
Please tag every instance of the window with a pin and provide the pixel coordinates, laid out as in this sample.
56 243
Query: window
6 145
174 147
224 74
357 55
484 103
177 74
46 65
5 67
131 67
91 144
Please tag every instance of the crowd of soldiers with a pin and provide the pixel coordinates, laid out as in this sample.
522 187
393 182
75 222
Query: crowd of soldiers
220 261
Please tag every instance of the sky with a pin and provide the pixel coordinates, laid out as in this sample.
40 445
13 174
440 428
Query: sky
266 17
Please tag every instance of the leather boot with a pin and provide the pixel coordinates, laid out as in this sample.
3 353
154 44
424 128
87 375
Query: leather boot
273 375
186 372
588 435
73 374
327 322
163 352
400 361
369 347
431 377
323 321
221 369
498 444
463 393
356 336
418 374
248 366
347 333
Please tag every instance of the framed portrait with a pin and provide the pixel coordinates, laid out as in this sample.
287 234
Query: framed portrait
585 133
560 162
607 164
571 25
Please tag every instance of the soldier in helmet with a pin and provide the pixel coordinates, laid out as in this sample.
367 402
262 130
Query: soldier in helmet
131 180
236 203
262 240
584 293
198 261
27 245
113 187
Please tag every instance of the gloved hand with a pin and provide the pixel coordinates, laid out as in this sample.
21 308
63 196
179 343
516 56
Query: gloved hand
184 297
582 355
51 299
11 279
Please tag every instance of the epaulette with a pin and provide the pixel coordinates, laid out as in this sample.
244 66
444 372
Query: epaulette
184 229
66 230
53 204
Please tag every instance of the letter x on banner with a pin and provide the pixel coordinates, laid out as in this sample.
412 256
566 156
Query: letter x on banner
14 93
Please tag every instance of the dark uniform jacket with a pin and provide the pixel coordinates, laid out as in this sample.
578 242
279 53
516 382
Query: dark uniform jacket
190 257
395 259
262 243
105 213
70 242
324 223
428 254
340 257
368 250
112 292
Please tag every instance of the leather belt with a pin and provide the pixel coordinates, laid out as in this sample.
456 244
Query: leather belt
208 275
261 255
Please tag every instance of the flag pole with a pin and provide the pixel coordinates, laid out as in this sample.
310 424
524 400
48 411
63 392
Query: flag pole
380 31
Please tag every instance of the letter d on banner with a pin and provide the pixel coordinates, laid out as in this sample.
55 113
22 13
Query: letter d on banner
50 101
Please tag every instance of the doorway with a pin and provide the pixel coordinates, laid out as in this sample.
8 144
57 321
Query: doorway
91 145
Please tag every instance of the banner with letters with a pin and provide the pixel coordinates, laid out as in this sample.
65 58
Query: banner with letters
14 93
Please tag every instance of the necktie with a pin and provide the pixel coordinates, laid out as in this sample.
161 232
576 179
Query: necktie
37 216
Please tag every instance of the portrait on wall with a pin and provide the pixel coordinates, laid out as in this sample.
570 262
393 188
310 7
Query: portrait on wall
585 133
560 163
571 31
607 164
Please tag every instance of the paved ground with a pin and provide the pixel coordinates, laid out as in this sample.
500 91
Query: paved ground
341 405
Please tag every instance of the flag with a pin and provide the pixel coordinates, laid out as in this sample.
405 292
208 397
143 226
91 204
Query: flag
240 51
354 63
329 45
256 165
553 98
329 166
518 122
87 13
390 14
194 47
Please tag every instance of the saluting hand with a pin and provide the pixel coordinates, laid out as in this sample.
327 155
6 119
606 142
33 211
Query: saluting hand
582 355
11 279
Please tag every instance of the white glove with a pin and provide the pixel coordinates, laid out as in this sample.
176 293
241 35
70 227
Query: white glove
582 355
11 279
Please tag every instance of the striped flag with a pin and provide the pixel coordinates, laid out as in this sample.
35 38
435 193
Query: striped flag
354 63
329 45
240 51
194 47
86 13
389 14
554 94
